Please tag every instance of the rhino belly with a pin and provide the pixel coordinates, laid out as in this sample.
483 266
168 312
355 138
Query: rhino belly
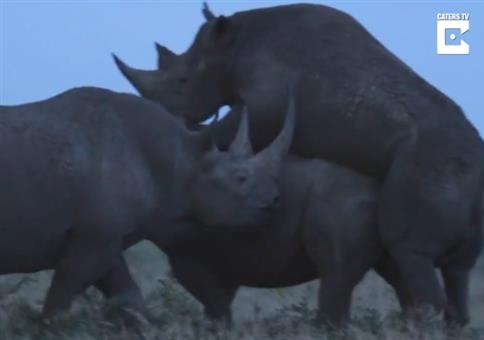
26 255
273 271
270 279
31 238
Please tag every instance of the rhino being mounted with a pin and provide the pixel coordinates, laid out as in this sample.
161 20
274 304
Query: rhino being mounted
358 105
90 172
325 228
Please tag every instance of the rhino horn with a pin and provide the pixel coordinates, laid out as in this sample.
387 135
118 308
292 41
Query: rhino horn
207 13
241 145
277 150
143 81
165 56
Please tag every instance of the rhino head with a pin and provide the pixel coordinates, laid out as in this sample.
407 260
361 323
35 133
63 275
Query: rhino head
237 188
195 84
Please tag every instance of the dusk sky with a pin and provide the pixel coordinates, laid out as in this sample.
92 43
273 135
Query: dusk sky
50 46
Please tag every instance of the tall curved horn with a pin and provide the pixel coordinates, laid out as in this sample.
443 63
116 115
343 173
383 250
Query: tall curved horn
145 82
277 150
241 145
207 13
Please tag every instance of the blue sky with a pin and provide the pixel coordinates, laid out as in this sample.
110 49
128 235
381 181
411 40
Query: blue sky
47 47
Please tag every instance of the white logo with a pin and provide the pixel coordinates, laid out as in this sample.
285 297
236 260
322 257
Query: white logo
450 29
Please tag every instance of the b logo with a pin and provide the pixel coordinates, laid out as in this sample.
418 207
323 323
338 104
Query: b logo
449 33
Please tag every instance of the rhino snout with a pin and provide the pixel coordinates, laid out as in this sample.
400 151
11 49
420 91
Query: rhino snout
271 203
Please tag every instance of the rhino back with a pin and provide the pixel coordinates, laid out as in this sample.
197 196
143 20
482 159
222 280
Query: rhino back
351 89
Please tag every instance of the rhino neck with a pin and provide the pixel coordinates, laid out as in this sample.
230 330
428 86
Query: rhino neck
186 158
228 86
169 156
174 204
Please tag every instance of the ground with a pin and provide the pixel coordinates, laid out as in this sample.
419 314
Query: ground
258 313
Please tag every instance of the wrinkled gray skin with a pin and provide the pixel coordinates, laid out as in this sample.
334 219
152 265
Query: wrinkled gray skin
359 106
324 228
89 172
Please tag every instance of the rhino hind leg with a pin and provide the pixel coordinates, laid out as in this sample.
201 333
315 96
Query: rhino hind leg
387 269
204 284
425 213
118 286
403 225
456 268
80 265
419 279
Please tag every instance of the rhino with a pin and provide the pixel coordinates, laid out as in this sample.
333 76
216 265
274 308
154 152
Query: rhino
325 228
89 172
358 106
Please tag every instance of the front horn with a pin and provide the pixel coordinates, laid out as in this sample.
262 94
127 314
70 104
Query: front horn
145 82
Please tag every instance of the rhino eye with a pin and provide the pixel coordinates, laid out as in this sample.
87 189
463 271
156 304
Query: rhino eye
241 177
183 80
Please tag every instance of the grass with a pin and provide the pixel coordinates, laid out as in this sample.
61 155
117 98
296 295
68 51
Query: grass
258 313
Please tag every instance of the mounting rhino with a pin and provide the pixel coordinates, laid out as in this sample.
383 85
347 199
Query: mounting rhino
90 172
358 106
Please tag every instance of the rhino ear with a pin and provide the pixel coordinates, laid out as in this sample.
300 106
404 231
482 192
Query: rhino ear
207 13
221 33
165 56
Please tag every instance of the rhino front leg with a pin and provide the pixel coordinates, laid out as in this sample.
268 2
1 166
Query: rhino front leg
207 288
335 294
118 286
80 265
